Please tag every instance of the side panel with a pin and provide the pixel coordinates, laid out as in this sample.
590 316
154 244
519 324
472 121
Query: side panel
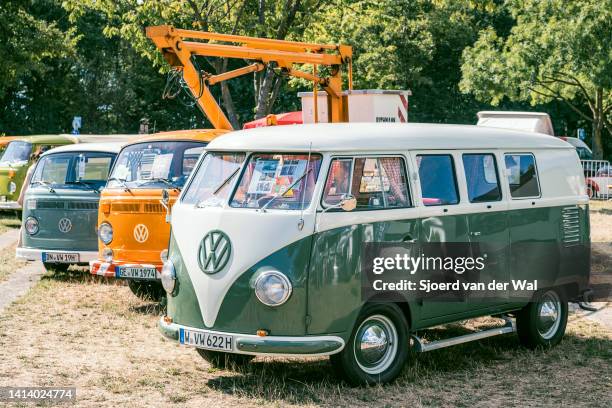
334 285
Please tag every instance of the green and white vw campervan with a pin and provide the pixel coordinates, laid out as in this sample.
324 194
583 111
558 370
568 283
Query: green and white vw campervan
61 205
267 255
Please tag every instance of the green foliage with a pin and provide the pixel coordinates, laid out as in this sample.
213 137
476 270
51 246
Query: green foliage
555 50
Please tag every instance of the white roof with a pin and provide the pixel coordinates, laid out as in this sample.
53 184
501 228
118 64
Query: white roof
350 137
538 122
111 147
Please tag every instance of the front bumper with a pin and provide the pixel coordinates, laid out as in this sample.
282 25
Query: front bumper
108 269
34 254
268 345
10 205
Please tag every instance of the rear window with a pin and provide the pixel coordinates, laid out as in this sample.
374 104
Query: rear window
522 175
438 180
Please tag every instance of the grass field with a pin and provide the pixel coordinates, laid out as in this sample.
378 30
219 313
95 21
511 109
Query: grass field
76 330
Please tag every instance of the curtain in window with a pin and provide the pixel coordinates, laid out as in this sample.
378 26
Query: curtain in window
393 169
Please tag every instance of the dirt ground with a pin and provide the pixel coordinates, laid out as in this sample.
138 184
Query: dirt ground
75 330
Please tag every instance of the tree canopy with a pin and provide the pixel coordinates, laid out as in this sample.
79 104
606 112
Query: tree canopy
92 59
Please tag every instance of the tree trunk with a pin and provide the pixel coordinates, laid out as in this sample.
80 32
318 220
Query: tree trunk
598 119
264 100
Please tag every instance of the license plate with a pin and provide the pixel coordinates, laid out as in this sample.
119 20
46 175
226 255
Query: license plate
60 257
206 340
136 272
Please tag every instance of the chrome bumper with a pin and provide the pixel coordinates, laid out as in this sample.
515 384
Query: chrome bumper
267 345
33 254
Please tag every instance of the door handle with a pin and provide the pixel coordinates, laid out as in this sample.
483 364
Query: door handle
475 233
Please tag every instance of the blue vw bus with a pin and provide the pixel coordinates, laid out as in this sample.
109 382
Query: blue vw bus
61 205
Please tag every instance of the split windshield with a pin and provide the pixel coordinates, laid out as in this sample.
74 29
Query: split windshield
155 164
271 181
16 151
280 181
87 170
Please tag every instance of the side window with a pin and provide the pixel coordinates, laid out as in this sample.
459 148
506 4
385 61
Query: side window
190 158
438 181
338 181
522 175
481 177
377 182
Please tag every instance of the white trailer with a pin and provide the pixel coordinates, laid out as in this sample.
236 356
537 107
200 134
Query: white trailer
364 105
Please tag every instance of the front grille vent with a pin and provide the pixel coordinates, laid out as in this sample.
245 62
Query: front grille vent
49 205
153 208
125 207
570 219
82 205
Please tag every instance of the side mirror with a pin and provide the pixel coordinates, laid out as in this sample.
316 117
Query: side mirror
348 203
165 197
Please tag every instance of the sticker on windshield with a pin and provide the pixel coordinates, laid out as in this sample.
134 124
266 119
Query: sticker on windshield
81 167
270 178
121 172
161 166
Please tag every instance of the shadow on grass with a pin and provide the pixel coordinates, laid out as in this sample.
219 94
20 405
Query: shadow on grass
79 275
152 308
304 382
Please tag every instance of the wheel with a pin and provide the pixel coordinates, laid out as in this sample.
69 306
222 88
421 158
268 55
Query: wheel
147 290
56 267
378 347
218 359
542 322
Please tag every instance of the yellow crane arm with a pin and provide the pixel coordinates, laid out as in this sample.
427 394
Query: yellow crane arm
178 46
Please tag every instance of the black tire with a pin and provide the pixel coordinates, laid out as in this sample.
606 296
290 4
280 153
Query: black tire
56 267
375 318
221 360
543 321
147 290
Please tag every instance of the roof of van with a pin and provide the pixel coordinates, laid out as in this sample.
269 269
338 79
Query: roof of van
349 137
48 139
202 135
110 147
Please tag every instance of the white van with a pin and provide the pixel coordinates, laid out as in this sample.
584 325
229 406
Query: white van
269 246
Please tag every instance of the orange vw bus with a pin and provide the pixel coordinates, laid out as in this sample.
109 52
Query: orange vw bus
145 181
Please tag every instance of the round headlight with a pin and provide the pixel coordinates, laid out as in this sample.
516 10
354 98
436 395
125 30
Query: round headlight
107 254
12 187
272 288
105 232
31 225
168 277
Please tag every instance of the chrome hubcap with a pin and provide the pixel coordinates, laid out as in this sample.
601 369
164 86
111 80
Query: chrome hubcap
549 315
375 344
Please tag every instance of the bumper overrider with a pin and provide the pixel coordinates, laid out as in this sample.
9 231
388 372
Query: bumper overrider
109 269
264 345
35 254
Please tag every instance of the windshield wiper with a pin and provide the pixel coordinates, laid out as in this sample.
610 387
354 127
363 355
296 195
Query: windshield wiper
122 182
84 183
44 183
263 209
223 184
166 181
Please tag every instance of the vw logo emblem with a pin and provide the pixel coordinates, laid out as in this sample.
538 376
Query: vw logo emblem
214 253
141 233
64 225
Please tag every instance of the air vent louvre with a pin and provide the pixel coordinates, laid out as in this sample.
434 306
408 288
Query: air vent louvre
49 205
570 223
125 207
82 205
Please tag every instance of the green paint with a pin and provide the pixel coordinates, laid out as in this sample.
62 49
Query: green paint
327 287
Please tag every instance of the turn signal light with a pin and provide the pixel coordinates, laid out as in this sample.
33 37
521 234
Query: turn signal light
105 207
11 173
167 319
262 333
